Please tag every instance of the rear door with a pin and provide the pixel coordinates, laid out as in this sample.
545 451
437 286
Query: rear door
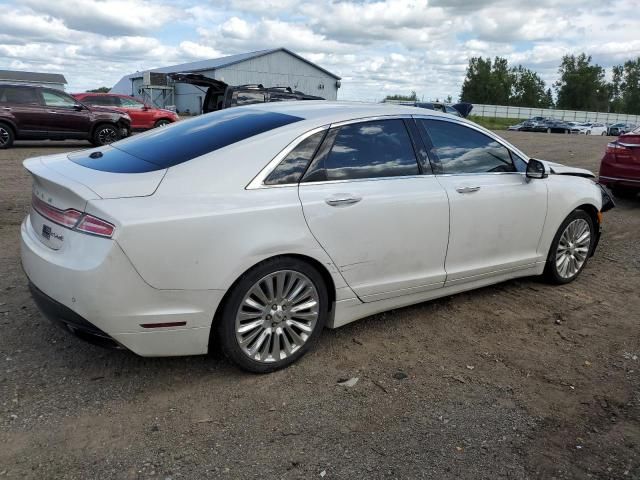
62 118
22 104
379 213
497 215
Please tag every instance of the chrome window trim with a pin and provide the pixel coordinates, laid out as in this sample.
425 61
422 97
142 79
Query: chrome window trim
373 179
629 144
259 179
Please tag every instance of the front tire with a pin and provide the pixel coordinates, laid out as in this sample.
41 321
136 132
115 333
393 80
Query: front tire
162 123
6 136
105 134
274 315
548 130
570 248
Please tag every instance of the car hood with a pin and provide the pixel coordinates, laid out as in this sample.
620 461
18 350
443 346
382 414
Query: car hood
559 169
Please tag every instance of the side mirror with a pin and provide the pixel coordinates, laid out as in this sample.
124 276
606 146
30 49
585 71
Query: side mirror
535 169
78 108
145 107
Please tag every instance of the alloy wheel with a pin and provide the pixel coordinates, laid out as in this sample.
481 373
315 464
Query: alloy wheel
277 316
107 136
573 248
4 136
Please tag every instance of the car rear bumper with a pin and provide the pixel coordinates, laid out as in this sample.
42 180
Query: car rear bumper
94 291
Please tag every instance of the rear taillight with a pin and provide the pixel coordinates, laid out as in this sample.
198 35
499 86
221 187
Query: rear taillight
615 147
95 226
73 219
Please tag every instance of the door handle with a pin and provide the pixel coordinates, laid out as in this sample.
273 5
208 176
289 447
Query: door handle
52 111
342 200
6 109
467 189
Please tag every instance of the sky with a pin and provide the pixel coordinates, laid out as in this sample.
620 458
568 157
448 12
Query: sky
377 47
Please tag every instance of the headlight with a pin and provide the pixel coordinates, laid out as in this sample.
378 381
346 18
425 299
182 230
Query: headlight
126 116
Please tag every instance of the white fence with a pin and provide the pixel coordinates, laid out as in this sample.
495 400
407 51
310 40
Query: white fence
502 111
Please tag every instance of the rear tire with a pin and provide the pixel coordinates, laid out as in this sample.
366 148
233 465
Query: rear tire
548 130
6 136
570 249
603 133
260 338
104 134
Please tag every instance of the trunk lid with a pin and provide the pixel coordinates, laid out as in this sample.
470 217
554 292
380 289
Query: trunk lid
64 185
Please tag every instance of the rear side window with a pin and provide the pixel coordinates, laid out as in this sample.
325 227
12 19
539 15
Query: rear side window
19 95
182 141
291 169
459 149
371 150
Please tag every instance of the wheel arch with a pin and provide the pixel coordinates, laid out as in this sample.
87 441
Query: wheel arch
11 125
322 270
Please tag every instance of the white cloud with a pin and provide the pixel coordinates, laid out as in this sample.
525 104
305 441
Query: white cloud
377 46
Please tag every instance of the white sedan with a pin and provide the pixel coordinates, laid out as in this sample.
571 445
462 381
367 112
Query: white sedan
590 128
251 229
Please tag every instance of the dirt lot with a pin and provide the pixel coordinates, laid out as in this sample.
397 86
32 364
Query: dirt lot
519 380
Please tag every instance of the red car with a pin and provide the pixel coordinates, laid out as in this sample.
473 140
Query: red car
143 117
620 166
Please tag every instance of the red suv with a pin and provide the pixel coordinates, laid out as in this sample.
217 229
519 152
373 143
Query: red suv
143 117
620 166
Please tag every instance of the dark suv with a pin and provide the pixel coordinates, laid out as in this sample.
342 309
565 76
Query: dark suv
222 95
40 113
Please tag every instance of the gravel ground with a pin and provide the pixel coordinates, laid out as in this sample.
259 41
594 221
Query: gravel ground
518 380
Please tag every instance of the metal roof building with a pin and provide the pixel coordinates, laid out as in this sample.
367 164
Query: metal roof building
275 67
53 80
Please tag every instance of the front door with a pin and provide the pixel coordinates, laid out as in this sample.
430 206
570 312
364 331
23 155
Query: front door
497 214
142 117
384 223
63 118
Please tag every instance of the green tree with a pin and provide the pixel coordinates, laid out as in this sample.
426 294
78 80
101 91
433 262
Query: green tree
476 85
404 98
616 104
548 99
581 85
99 90
528 89
630 87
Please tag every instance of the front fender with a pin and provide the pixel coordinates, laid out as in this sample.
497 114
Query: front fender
566 193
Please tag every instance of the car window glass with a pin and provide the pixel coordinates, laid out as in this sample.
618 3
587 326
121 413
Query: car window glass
290 170
241 97
54 99
460 149
18 95
130 103
371 150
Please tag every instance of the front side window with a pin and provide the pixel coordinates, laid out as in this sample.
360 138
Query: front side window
459 149
293 166
371 150
55 99
243 97
18 96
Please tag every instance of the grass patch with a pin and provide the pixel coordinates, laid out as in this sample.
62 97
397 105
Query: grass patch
493 123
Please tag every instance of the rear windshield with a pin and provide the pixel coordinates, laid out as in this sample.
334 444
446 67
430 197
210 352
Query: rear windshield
184 140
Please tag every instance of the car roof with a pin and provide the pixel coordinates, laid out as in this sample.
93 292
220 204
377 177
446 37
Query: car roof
323 112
